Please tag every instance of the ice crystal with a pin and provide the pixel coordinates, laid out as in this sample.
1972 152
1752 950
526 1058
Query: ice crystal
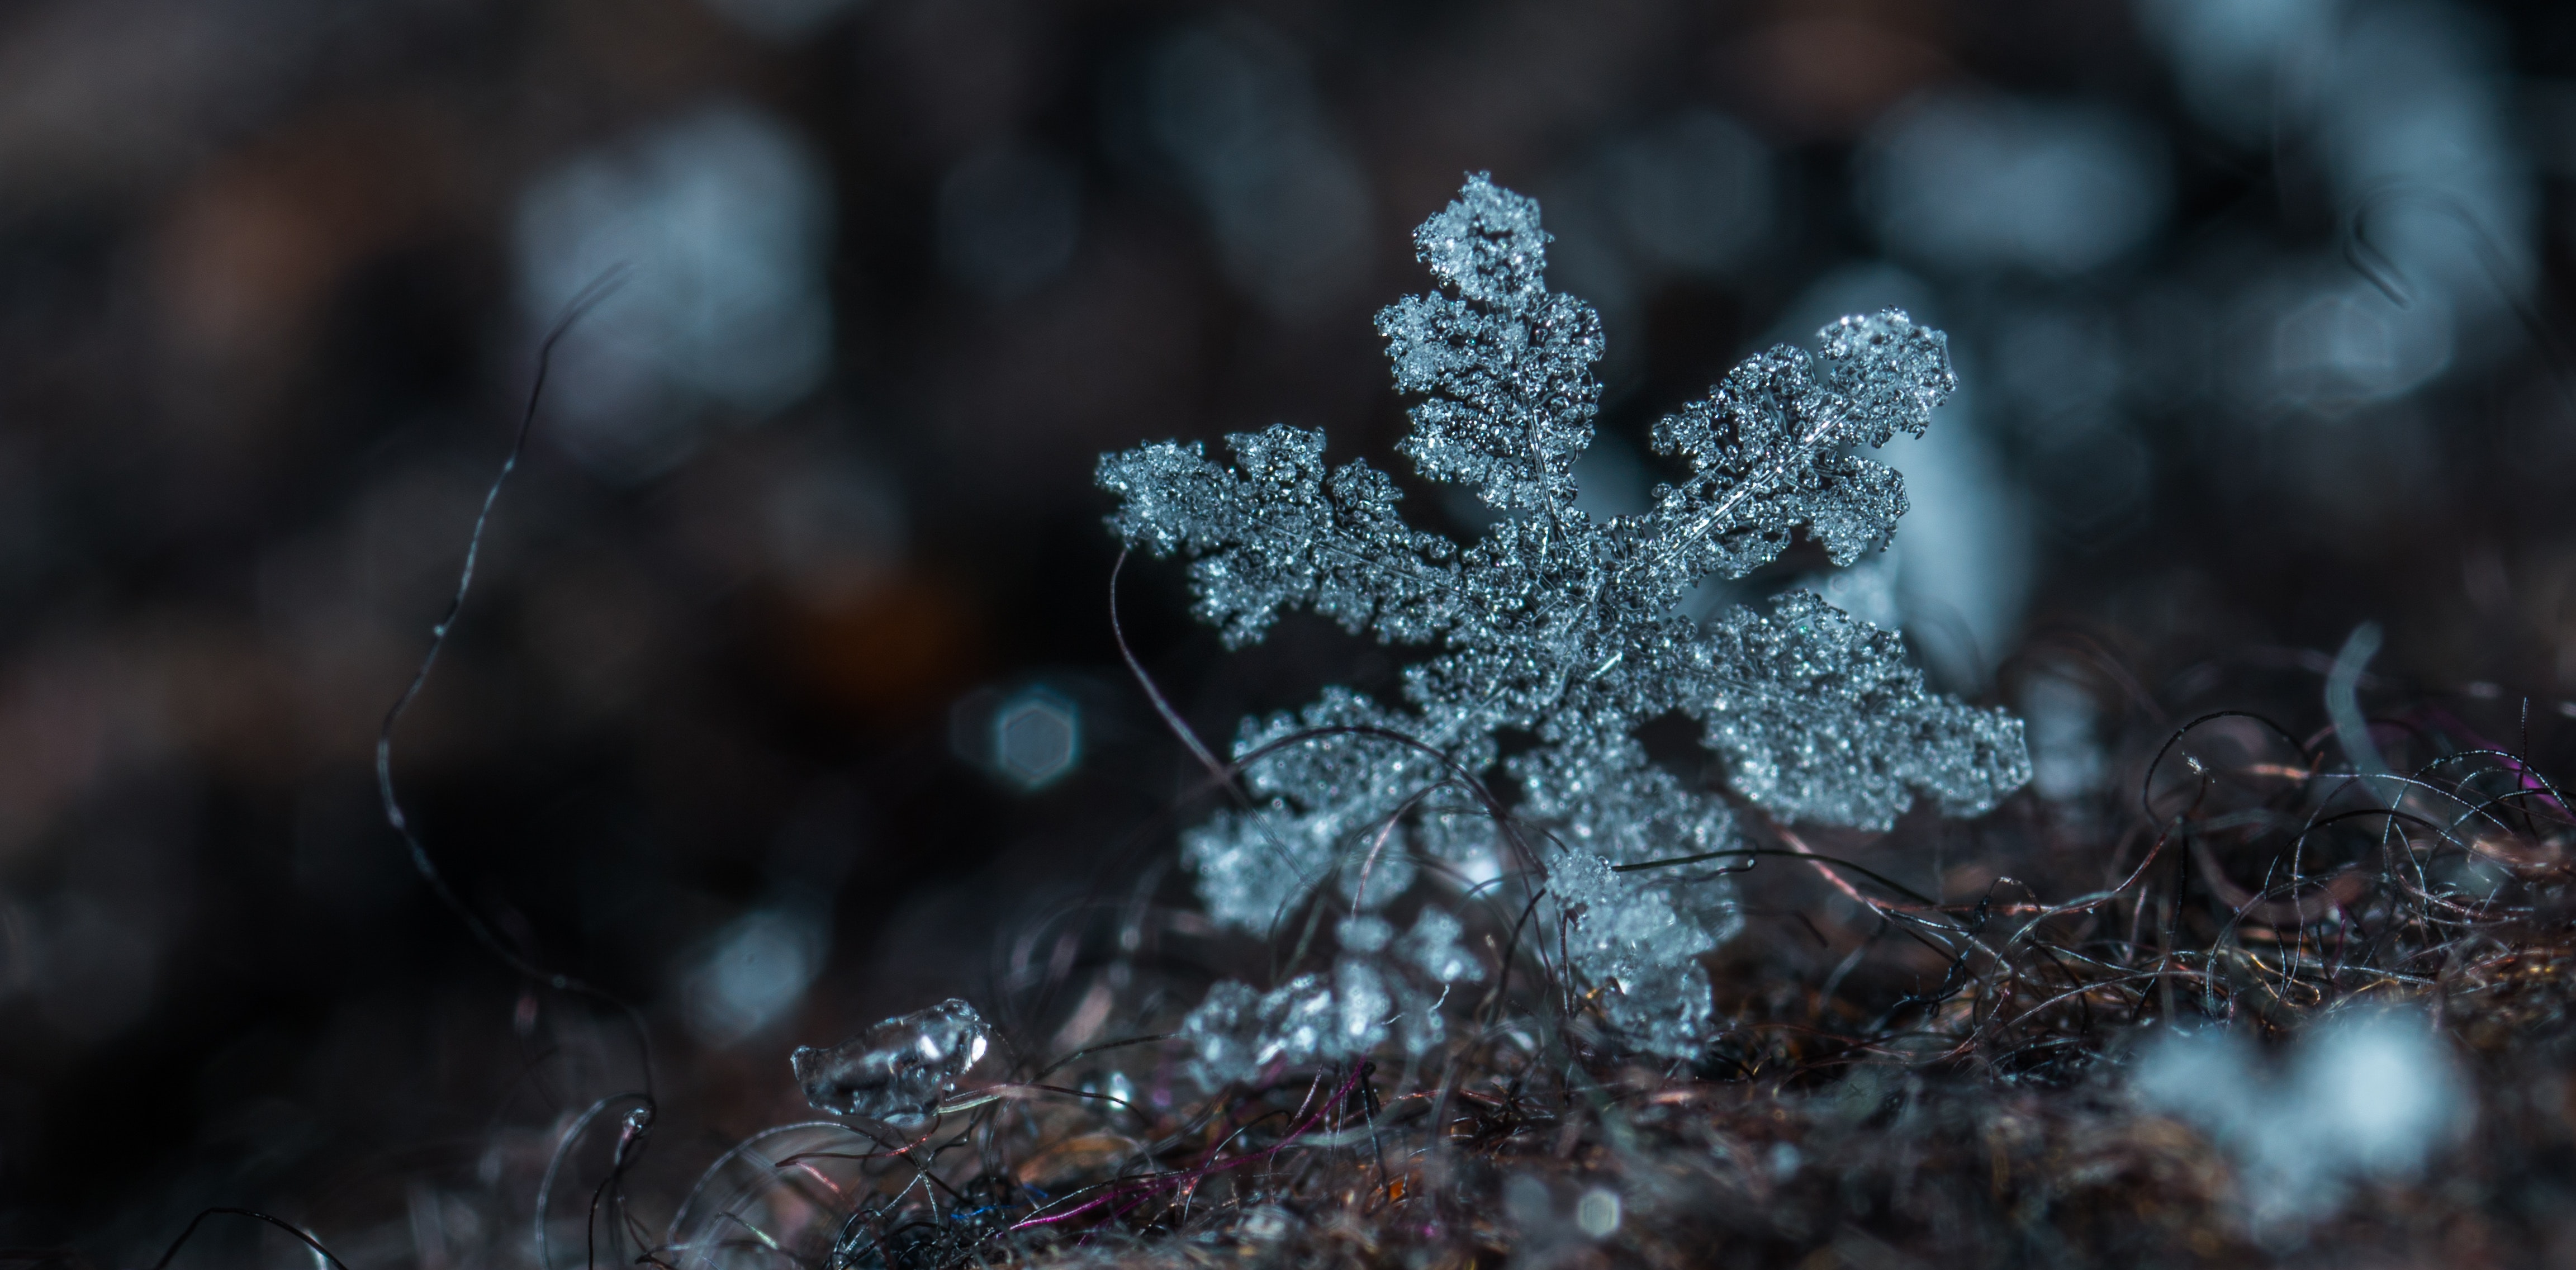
900 1068
1558 628
1236 1033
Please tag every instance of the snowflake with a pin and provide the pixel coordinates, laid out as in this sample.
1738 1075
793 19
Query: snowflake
1560 630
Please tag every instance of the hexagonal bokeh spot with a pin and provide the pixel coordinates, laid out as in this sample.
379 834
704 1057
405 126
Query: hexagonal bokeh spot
1037 738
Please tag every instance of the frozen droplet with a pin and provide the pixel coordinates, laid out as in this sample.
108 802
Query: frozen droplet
898 1069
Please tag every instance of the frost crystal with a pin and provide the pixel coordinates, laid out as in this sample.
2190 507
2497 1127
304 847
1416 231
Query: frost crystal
900 1068
1236 1034
1562 629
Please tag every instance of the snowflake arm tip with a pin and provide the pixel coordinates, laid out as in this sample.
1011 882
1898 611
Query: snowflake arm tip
1278 532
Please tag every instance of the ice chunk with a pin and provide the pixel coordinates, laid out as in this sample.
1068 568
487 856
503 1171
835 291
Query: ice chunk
1237 1034
1433 945
900 1068
1625 932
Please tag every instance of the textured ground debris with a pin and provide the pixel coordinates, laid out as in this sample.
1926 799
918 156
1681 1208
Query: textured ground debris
2209 1060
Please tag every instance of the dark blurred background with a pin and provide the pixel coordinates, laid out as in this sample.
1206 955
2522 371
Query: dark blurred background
788 695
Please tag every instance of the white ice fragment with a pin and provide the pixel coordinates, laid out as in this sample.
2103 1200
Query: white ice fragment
1266 1224
1236 1034
2382 1089
1363 1007
1300 1016
1433 945
1223 1033
1624 932
901 1068
2363 1098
